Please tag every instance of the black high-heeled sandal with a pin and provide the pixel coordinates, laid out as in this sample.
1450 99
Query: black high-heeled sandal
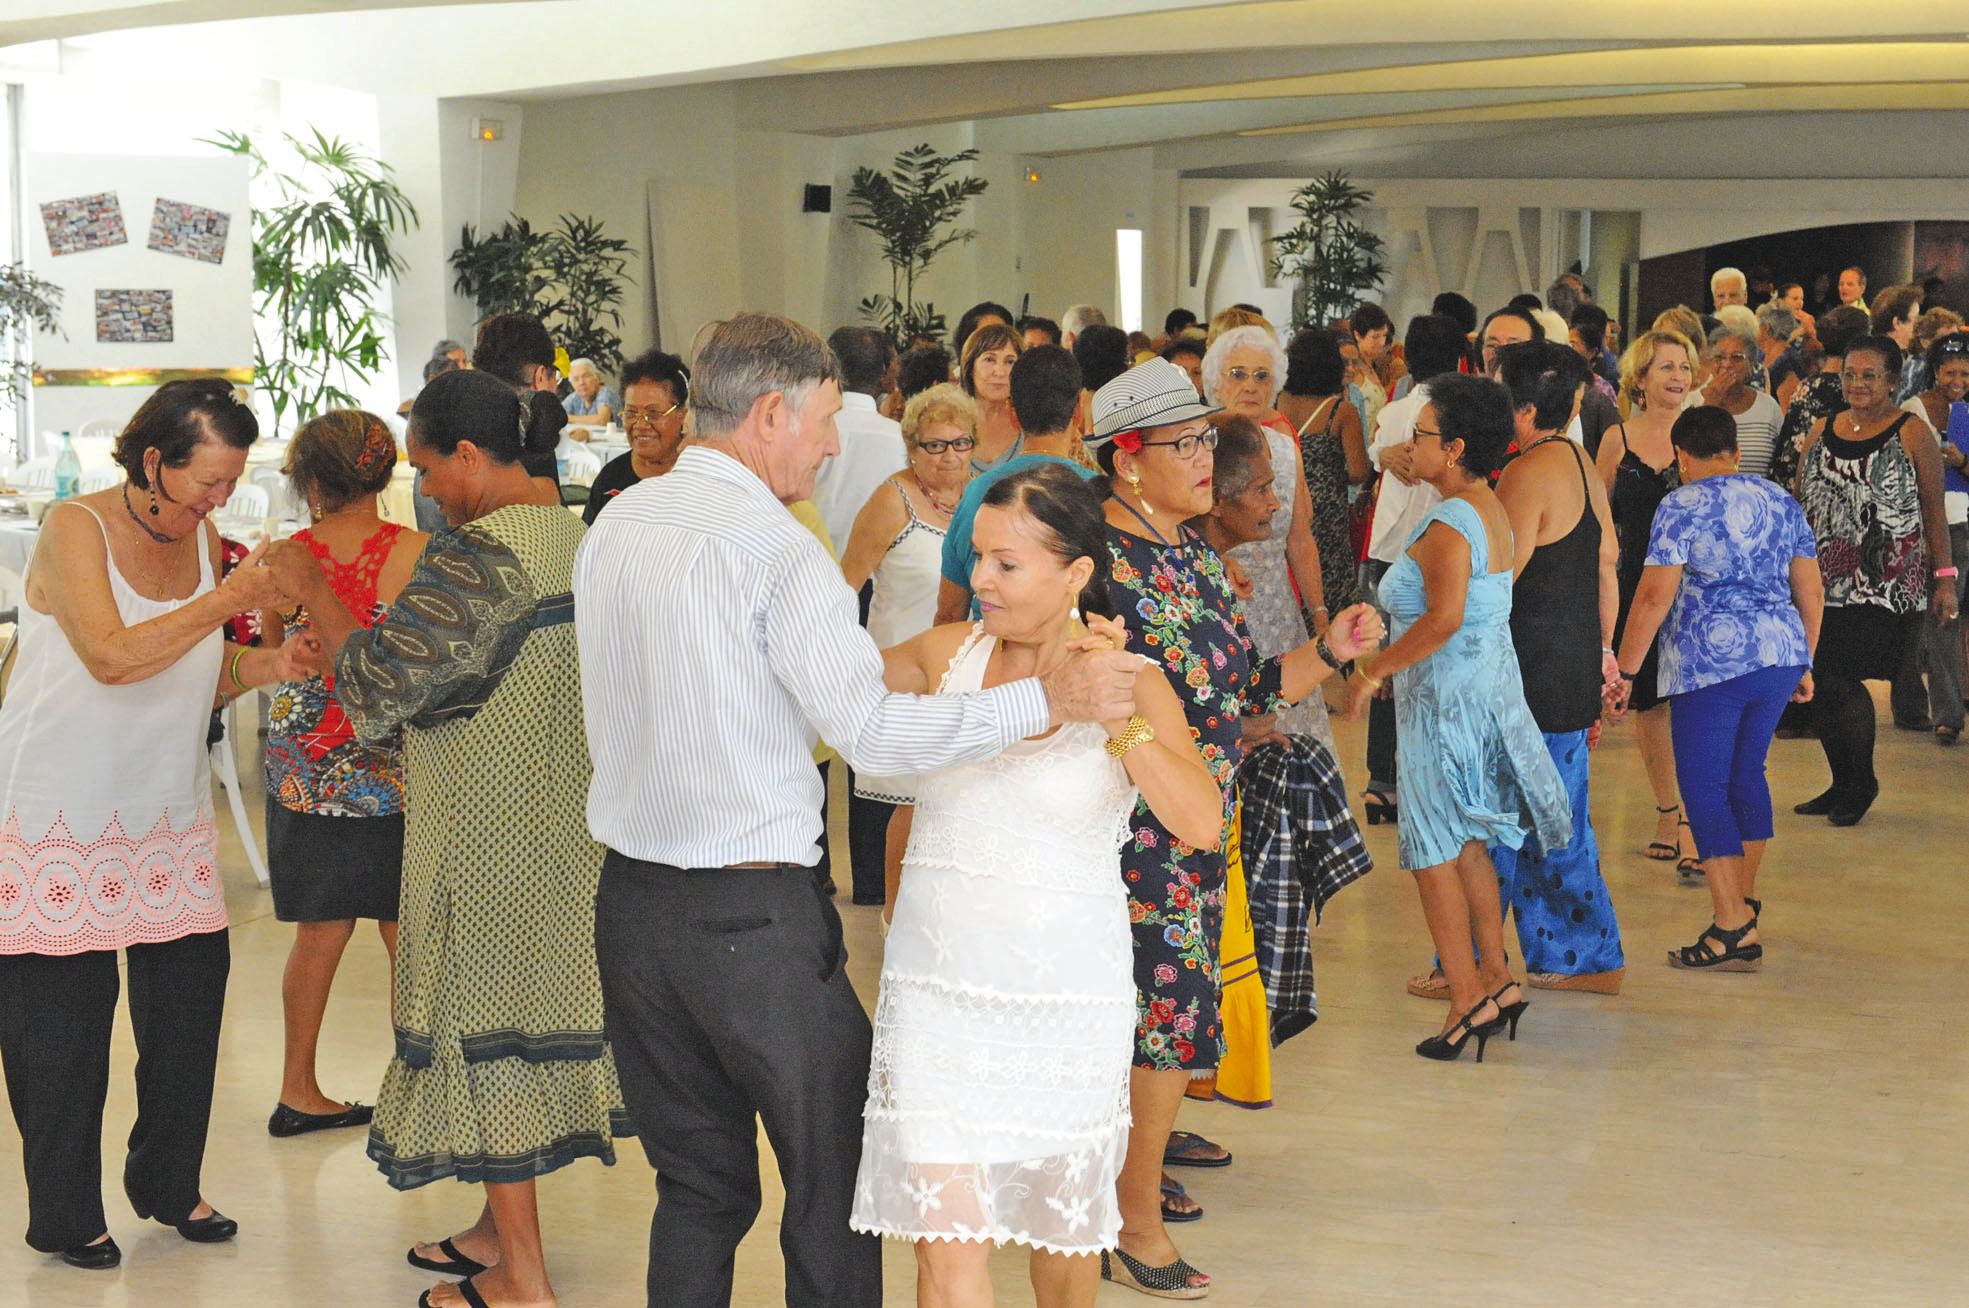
1734 956
1509 1012
1444 1049
1168 1282
1661 850
1379 808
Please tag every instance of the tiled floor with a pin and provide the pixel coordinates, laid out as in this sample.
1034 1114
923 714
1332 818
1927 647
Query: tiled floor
1796 1137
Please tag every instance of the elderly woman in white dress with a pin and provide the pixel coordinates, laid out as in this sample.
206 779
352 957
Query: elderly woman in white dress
897 540
999 1084
1244 372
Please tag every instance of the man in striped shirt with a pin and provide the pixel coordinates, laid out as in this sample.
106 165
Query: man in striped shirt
718 642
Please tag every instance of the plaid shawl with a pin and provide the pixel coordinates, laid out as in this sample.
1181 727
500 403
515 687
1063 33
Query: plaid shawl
1300 843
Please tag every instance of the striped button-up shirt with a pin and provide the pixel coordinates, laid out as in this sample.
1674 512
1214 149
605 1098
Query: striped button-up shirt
718 642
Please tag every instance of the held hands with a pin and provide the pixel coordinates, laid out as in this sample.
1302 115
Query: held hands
300 658
1616 697
294 567
1096 683
254 585
1106 634
1355 631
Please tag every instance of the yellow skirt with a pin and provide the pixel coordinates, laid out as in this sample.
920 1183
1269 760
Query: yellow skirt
1244 1077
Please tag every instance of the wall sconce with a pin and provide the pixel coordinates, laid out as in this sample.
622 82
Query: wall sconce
1032 176
488 129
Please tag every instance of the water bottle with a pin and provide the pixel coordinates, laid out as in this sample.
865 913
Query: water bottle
68 470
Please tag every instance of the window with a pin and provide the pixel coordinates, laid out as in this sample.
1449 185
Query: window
1128 276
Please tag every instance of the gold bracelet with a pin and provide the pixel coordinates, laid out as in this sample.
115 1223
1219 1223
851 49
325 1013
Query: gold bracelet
233 671
1373 682
1137 732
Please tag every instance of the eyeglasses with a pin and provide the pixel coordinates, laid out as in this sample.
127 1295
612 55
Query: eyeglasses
1868 377
963 445
1187 445
1421 432
647 414
1730 358
1249 374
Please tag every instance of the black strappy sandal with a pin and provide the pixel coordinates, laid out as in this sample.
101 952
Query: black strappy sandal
1689 867
1734 956
460 1265
1168 1282
1660 850
1448 1046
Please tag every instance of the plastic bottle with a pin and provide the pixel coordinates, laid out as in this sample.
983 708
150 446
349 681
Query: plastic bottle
68 470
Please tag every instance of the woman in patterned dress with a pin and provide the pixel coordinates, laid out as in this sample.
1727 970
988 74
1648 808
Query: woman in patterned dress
334 804
1154 443
501 1073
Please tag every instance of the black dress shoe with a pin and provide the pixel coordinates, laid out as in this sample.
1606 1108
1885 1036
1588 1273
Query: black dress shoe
1848 809
1817 806
211 1229
97 1257
287 1121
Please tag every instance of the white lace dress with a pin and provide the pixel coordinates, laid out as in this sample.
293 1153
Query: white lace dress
998 1091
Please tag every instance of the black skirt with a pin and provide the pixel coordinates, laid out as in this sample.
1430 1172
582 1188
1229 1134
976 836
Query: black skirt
1863 642
332 869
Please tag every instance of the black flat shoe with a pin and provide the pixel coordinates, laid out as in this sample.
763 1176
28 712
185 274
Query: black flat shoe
1847 810
212 1229
97 1257
1817 806
287 1121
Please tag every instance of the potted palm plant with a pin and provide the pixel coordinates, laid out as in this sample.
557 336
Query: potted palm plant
1332 257
909 208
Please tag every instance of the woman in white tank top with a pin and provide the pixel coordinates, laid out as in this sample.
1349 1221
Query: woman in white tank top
107 841
998 1090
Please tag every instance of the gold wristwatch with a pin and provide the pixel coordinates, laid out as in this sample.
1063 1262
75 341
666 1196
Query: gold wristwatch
1137 732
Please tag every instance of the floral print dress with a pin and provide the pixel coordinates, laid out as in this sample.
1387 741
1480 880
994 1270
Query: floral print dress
1182 614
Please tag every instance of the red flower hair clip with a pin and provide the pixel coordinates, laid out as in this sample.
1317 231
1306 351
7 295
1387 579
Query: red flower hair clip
1129 442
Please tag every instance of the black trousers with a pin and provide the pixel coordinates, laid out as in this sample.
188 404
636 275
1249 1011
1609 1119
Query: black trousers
868 845
1380 712
727 1005
55 1021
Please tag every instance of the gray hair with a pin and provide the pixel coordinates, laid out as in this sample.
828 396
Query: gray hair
1566 294
576 365
1079 317
749 357
1729 330
1777 318
1217 360
445 347
1722 275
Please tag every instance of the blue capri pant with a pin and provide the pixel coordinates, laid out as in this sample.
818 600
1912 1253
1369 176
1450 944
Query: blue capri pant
1722 734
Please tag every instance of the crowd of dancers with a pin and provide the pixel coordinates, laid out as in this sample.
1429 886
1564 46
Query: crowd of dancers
567 761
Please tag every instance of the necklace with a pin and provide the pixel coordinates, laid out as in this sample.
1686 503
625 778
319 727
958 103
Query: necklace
149 530
930 495
1160 538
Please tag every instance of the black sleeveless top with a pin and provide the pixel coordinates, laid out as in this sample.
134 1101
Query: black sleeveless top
1555 623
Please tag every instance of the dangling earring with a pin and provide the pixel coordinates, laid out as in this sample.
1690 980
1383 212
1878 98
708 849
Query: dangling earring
1135 484
153 497
1073 614
314 511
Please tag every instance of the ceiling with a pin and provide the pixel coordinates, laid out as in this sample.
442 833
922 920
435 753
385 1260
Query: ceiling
1232 82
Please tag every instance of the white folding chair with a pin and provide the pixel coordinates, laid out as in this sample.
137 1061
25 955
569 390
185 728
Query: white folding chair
247 504
583 466
225 766
282 502
36 474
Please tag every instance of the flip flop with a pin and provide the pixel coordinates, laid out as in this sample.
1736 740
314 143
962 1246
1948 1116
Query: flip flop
1171 1191
1173 1155
459 1265
465 1287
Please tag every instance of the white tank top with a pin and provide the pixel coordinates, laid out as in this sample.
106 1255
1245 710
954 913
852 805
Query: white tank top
108 838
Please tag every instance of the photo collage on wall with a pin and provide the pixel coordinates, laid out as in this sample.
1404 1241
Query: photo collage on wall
140 316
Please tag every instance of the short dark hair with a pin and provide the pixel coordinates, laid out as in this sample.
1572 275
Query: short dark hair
1240 443
1371 318
1059 499
1046 384
1854 268
1102 353
656 366
1476 411
1884 346
1183 344
1457 308
478 407
1704 432
1522 314
1178 320
1893 304
1543 376
1249 308
1590 321
972 317
1435 344
1046 327
176 418
438 363
1313 365
1526 300
922 367
511 345
1839 328
340 456
864 355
